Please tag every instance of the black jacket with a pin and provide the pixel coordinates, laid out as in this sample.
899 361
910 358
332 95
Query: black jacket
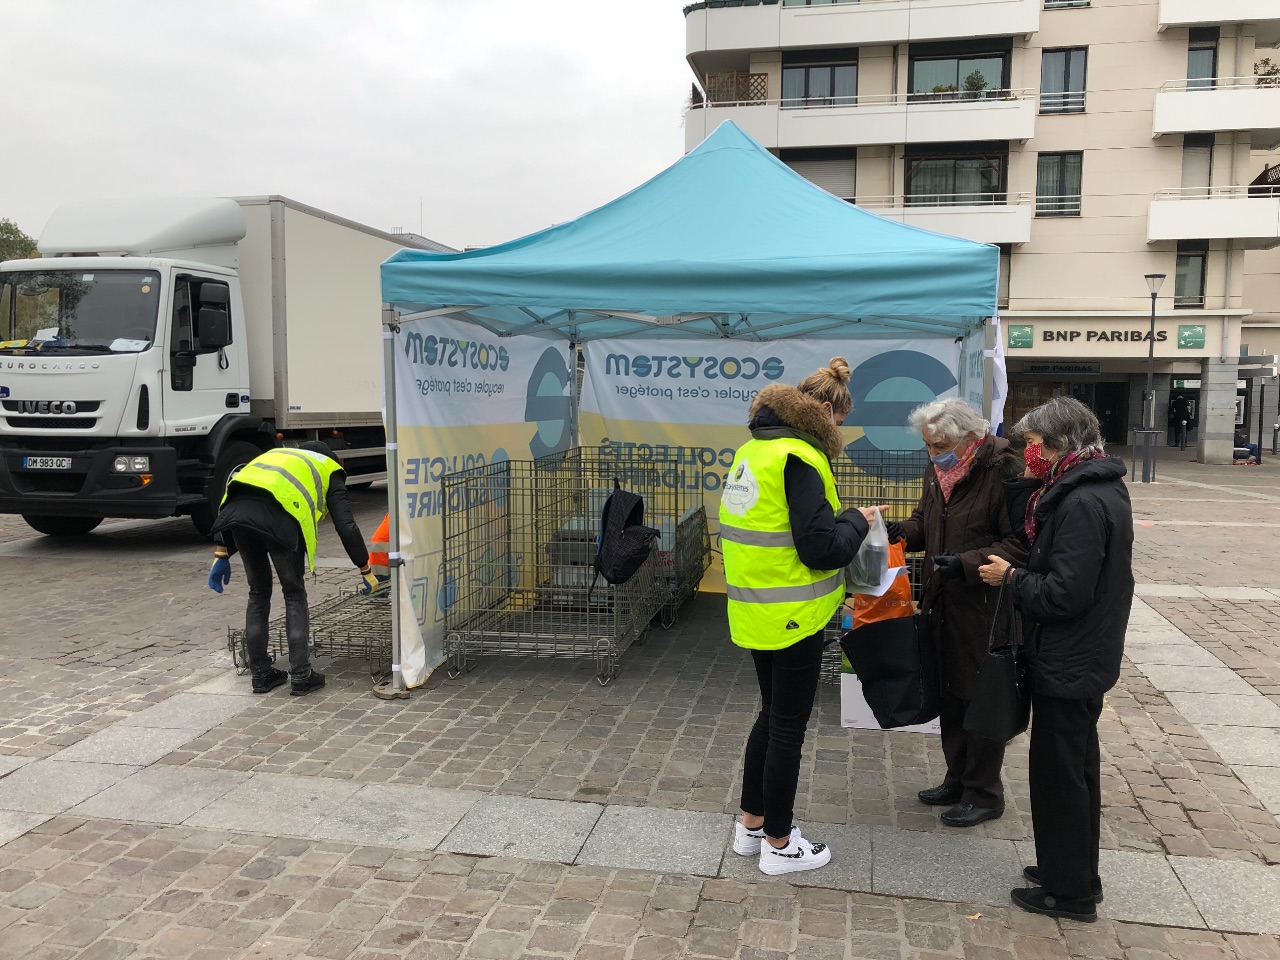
1077 589
823 540
256 509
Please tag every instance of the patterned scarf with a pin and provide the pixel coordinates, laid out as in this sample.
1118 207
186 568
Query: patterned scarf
947 479
1055 474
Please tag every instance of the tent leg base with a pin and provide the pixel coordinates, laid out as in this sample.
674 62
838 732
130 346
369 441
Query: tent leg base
390 691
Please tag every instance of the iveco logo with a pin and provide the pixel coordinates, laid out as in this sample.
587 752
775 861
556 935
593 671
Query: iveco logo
47 406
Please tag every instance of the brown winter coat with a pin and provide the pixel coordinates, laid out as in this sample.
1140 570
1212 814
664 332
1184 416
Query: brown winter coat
973 525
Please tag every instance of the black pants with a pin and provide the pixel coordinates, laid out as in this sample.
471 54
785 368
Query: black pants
259 556
771 769
1066 792
973 762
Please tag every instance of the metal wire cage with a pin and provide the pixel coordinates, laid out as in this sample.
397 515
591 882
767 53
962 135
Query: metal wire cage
347 626
518 553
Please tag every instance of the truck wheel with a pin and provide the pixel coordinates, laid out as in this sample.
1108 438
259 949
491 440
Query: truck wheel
233 457
360 485
61 526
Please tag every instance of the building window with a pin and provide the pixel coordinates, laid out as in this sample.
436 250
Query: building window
1188 277
1062 80
835 170
820 78
1197 164
967 71
1202 57
953 176
1058 184
812 3
1060 4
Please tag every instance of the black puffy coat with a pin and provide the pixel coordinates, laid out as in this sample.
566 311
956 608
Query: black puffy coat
1077 589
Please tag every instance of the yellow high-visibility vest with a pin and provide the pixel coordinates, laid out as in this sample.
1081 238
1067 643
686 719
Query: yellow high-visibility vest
299 480
774 599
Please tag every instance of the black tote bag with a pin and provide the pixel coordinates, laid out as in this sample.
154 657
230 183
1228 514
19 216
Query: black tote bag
1000 708
897 666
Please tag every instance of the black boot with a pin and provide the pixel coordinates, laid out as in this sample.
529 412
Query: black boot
1039 900
943 795
967 815
1033 875
300 688
270 681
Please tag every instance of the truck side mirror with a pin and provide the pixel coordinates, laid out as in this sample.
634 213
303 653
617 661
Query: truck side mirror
213 321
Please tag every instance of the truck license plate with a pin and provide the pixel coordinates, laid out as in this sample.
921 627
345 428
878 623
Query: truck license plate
46 463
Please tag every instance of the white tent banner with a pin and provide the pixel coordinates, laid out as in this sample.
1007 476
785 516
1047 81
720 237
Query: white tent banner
464 399
660 381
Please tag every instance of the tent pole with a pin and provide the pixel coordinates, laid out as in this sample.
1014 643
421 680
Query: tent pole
393 688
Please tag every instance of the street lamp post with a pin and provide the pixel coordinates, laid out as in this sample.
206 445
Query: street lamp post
1149 398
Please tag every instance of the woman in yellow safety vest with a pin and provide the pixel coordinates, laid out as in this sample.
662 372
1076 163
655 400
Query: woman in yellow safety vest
785 544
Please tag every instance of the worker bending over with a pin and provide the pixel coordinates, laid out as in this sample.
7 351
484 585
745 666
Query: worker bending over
269 516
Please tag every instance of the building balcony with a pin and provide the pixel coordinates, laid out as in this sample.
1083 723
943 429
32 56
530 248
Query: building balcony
984 218
1263 15
872 121
1250 216
1232 104
715 26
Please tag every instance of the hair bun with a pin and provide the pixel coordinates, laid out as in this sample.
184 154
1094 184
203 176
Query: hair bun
839 369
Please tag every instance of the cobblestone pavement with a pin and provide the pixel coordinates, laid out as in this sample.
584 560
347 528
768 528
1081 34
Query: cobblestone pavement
97 890
99 631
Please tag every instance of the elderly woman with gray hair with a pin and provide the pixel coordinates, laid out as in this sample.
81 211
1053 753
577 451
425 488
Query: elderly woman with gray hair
961 520
1074 595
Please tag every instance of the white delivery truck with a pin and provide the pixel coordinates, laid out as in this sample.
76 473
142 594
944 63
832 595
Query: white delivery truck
157 346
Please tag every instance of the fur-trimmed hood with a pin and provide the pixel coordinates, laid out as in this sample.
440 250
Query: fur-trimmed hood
780 409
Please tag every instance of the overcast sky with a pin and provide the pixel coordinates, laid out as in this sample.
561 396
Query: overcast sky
503 116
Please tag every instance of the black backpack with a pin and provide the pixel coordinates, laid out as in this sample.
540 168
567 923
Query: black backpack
625 541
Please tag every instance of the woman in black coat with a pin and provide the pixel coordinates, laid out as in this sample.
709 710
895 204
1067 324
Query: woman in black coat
1074 596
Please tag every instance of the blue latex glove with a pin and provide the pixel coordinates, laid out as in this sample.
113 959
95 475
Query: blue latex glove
219 574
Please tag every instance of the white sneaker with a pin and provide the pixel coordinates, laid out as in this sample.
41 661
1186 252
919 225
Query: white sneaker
746 843
799 854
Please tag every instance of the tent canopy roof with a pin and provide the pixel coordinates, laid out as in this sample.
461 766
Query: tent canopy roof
726 242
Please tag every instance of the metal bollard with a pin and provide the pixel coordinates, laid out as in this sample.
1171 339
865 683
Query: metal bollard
1275 440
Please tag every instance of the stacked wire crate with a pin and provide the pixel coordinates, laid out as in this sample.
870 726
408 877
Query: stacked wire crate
519 547
894 478
347 626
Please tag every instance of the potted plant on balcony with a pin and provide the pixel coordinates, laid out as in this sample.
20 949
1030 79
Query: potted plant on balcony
974 85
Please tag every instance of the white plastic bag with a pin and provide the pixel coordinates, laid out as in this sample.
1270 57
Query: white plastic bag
868 567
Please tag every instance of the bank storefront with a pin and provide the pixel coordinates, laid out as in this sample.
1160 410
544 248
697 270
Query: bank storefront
1102 361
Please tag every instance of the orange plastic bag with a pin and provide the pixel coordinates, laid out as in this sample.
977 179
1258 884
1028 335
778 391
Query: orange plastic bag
896 601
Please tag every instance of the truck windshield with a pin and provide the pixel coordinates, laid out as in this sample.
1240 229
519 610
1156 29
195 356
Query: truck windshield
63 311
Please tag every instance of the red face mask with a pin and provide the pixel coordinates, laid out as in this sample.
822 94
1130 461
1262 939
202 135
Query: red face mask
1037 464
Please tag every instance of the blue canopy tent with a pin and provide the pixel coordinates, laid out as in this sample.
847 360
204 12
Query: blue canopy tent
727 242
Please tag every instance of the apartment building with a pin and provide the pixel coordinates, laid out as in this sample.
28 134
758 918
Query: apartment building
1095 141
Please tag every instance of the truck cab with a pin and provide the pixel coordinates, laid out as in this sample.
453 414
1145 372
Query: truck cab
124 376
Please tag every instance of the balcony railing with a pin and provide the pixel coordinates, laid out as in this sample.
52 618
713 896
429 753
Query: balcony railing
1262 191
1218 83
737 87
1067 205
889 99
1065 101
945 200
